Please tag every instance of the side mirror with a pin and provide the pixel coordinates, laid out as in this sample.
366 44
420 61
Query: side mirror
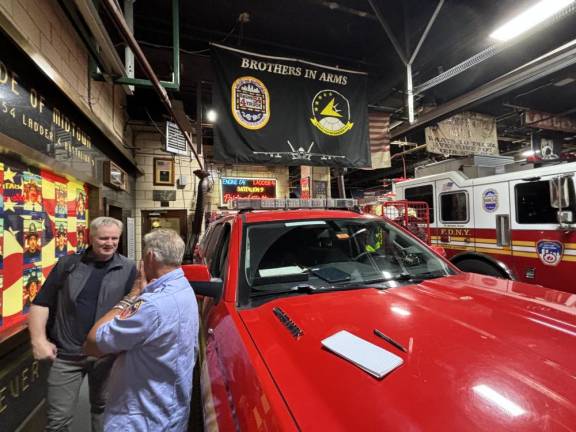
439 250
560 192
202 283
565 217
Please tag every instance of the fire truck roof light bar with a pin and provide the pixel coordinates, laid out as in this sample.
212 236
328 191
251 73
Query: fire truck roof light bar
292 203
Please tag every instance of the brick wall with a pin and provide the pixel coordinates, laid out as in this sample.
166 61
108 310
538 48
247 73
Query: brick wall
55 46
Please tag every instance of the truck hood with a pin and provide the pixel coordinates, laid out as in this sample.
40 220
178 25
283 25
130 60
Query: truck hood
482 354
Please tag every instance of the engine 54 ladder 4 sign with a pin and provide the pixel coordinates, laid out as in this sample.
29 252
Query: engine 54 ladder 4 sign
276 110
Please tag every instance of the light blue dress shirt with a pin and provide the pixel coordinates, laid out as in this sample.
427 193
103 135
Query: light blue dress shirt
151 382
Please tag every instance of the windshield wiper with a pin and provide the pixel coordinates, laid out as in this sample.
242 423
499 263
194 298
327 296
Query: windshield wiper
302 288
405 276
309 289
417 277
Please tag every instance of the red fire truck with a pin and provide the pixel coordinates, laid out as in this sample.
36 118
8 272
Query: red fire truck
502 218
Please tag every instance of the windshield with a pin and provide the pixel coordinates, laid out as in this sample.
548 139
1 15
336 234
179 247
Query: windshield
317 255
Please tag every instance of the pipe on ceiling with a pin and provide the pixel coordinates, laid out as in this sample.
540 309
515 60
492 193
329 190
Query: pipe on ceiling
118 18
541 67
107 55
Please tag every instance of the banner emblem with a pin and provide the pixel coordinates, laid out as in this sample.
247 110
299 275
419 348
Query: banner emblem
331 113
550 252
250 102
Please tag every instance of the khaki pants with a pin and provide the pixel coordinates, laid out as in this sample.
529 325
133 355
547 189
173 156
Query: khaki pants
64 381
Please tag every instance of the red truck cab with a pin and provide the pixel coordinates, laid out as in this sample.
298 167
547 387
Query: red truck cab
476 352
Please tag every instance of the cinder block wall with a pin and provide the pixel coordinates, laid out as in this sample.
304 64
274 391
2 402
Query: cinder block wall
55 46
148 145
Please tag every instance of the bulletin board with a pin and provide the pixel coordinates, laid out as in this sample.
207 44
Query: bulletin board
43 217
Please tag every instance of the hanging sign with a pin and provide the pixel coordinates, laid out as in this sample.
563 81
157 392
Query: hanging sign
463 134
276 110
544 120
233 188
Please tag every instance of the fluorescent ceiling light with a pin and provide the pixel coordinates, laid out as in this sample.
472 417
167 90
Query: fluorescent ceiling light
541 11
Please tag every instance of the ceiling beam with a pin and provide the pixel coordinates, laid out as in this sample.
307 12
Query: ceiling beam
543 66
388 31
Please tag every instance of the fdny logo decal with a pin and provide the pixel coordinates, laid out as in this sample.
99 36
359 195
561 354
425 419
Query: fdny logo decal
331 113
550 252
250 102
490 200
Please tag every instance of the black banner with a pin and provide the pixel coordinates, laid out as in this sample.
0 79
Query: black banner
275 110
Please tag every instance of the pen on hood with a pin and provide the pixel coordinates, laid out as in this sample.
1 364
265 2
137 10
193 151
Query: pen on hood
390 340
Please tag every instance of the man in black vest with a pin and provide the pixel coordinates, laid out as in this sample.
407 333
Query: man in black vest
78 291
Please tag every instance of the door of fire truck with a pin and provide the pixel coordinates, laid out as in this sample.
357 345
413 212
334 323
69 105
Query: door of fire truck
544 251
493 245
454 220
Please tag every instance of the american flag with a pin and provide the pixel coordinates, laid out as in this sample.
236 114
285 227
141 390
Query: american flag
379 133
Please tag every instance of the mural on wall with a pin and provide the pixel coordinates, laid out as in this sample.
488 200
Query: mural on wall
43 217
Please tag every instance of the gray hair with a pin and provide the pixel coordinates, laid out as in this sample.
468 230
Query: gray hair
103 221
167 246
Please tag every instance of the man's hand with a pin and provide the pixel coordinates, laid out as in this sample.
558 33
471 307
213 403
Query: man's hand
44 350
139 283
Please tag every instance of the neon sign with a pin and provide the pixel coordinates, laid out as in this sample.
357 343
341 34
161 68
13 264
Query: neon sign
233 188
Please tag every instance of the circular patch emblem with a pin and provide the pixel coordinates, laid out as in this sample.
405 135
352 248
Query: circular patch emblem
331 113
550 252
250 102
490 200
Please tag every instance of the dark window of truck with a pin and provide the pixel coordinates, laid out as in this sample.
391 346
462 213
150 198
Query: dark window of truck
422 193
454 207
533 203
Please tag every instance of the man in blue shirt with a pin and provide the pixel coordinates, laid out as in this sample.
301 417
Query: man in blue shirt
156 334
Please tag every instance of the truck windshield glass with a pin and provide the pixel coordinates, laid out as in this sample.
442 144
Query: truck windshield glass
331 254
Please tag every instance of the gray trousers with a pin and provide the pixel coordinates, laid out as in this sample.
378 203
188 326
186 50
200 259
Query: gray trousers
64 381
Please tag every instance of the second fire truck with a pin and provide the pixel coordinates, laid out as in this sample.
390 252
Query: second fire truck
497 217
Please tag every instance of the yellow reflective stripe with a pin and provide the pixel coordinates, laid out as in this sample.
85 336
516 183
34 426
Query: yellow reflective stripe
449 246
526 254
485 240
495 251
523 243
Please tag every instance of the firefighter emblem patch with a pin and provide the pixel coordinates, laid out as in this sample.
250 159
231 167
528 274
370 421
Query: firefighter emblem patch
550 252
490 200
250 102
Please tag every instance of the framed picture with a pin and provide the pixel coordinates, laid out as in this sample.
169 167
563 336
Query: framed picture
114 176
163 172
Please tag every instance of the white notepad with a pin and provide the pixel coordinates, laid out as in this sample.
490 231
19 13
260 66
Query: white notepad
367 356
